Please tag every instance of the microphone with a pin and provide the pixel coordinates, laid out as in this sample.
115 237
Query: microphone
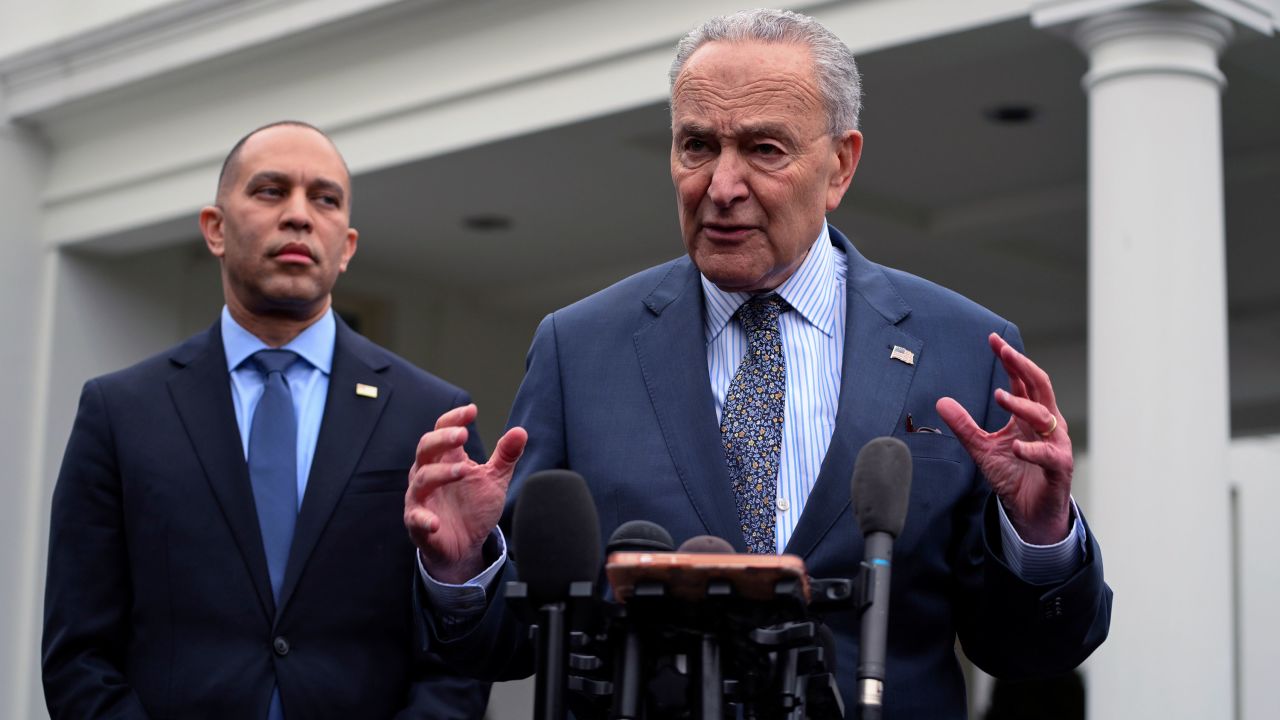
706 544
639 536
710 669
556 536
633 536
881 491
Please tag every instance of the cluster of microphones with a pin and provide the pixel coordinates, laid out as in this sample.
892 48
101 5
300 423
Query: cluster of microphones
697 631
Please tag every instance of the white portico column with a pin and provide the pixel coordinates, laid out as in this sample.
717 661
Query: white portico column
25 265
1158 402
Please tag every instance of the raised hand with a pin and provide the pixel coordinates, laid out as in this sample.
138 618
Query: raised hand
453 502
1028 462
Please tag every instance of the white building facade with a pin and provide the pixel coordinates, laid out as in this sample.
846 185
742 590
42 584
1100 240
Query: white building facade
1103 172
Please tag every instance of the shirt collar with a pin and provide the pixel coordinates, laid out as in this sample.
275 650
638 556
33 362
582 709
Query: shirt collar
315 344
810 291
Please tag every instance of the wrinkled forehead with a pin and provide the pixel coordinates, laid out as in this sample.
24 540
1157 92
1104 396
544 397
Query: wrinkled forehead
733 82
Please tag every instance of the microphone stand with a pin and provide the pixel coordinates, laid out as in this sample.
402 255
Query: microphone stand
550 623
553 656
710 687
627 687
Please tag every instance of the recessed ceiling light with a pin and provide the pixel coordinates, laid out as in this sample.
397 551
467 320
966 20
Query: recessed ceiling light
1011 114
487 222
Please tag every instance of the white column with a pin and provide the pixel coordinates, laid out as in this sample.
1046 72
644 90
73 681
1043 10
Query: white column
1158 403
24 314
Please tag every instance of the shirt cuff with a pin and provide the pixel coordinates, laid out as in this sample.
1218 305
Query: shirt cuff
1044 564
459 605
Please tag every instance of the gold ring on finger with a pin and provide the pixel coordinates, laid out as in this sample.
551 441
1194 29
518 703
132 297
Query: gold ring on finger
1052 427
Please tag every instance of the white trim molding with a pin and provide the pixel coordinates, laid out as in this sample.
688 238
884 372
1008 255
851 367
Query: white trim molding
151 44
133 160
1257 15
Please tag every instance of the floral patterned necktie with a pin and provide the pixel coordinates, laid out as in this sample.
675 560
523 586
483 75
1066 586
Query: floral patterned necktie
751 423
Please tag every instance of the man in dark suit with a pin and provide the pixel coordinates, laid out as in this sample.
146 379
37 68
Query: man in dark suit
225 538
646 390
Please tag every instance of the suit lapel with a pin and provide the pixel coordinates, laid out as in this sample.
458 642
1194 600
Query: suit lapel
673 358
348 422
873 390
202 393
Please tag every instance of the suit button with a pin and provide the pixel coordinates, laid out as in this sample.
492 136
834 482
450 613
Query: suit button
281 646
1052 609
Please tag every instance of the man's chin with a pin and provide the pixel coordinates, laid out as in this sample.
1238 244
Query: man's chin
734 280
294 303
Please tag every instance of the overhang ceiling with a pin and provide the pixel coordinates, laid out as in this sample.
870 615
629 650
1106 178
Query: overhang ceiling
995 211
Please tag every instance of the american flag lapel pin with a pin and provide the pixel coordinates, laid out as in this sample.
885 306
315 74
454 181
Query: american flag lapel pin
368 391
902 354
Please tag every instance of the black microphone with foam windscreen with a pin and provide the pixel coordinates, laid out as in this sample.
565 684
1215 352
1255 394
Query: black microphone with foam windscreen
639 536
633 536
881 491
709 544
556 543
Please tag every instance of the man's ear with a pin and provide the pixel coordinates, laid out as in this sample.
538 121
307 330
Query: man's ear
211 226
848 148
349 248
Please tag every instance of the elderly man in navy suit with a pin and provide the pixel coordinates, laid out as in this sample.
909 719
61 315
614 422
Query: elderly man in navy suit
225 539
639 389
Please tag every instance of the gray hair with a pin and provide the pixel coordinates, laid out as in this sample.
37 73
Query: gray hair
837 73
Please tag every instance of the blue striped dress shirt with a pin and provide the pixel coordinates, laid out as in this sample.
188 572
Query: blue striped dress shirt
813 345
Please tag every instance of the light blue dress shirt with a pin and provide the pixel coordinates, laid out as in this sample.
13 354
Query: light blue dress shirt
308 379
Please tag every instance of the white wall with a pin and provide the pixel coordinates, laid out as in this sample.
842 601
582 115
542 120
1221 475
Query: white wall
148 152
1255 474
23 284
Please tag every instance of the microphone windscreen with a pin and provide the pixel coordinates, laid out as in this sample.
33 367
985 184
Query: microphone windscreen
706 544
882 485
555 534
640 536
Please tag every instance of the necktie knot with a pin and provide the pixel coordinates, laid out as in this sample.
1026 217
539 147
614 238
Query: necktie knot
273 361
760 314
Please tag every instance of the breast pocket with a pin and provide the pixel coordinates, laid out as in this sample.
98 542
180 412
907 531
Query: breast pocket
941 470
942 476
392 479
935 446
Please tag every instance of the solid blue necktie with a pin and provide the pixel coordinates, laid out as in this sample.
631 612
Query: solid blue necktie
751 422
273 463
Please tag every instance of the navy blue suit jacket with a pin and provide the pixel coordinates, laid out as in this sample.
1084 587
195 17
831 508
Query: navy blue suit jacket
158 602
617 389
